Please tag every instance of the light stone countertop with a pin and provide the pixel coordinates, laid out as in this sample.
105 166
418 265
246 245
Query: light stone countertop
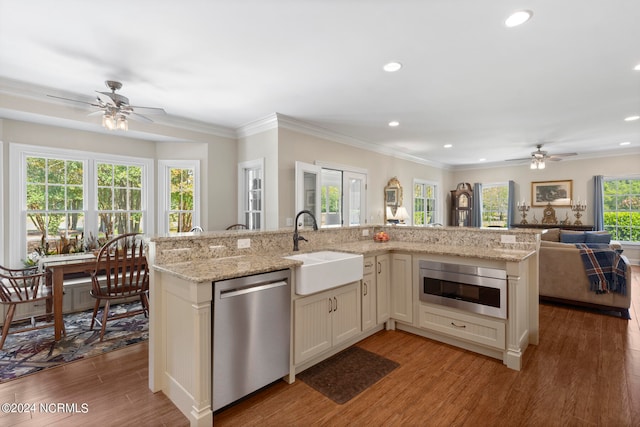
215 269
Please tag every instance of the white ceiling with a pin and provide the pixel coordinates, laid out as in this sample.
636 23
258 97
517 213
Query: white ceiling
565 78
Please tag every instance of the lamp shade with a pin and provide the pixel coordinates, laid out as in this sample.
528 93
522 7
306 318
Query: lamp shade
402 214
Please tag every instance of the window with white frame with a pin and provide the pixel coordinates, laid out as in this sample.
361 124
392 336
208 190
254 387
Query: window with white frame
495 204
54 211
179 183
66 201
622 208
424 203
251 194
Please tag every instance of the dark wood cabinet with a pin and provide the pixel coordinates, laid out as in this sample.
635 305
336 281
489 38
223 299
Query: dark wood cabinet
462 205
547 226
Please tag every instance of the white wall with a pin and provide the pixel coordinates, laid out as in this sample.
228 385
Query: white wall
381 168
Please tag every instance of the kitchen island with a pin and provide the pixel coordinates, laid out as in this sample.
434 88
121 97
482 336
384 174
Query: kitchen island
184 268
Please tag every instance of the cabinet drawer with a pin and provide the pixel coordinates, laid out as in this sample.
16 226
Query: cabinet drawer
472 328
369 266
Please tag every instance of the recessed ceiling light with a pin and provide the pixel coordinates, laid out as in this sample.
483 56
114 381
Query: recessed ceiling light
625 143
392 67
448 145
482 159
518 18
631 118
394 123
637 67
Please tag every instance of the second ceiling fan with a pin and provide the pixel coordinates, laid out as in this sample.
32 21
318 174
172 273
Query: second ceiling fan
539 157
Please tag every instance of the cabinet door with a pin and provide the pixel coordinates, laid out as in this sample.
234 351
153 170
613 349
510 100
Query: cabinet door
401 288
383 277
368 302
346 312
312 324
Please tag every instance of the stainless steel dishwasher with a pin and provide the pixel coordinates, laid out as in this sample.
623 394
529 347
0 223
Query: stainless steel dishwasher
251 330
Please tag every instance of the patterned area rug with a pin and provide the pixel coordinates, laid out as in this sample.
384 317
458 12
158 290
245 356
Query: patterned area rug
347 374
29 352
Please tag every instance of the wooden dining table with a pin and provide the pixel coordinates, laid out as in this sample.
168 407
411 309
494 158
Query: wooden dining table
60 266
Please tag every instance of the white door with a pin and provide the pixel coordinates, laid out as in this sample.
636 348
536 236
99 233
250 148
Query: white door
354 197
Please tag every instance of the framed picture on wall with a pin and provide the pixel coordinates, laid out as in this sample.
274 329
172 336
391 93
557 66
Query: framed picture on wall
556 193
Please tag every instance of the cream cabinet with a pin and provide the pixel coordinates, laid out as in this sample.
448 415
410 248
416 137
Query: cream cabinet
383 278
369 297
401 288
477 329
325 319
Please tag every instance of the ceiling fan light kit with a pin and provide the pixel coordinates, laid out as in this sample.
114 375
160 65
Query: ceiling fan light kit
537 163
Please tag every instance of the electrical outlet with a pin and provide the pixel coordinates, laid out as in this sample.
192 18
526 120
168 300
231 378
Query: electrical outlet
289 222
365 232
244 243
507 238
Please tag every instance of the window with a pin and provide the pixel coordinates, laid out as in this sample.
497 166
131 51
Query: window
119 199
424 203
179 182
65 200
335 194
342 198
55 208
622 208
251 194
495 205
331 198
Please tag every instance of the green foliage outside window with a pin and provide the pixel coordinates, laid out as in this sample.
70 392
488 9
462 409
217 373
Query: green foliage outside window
54 205
181 203
622 209
495 204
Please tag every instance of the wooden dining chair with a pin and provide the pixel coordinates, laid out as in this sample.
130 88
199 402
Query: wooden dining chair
237 227
121 273
24 286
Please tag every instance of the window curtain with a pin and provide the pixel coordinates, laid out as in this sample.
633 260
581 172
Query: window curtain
511 201
598 202
476 220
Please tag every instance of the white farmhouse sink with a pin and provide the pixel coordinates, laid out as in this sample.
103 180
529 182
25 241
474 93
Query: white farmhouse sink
325 270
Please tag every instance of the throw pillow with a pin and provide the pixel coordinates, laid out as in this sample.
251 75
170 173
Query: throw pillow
597 237
572 237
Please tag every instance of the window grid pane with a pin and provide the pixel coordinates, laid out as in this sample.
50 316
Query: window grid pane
54 214
622 209
181 203
495 204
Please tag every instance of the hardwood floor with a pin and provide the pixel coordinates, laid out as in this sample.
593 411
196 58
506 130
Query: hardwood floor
584 372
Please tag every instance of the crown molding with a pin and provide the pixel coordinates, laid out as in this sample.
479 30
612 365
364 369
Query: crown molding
297 125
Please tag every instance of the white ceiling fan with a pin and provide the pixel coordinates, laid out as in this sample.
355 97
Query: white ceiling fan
115 108
539 157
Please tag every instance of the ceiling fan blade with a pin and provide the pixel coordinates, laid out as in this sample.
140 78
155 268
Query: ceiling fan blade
74 100
139 117
563 155
519 160
106 98
148 110
553 159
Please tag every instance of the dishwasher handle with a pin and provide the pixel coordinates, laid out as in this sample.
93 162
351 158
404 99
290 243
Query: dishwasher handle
255 288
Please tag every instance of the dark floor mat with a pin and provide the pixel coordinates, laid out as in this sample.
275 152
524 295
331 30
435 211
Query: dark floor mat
347 374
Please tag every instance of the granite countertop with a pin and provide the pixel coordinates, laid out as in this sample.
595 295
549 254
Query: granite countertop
215 269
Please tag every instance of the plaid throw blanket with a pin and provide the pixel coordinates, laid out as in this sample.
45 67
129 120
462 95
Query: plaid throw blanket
605 268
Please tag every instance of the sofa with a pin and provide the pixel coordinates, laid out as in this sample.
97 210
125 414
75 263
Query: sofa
562 276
